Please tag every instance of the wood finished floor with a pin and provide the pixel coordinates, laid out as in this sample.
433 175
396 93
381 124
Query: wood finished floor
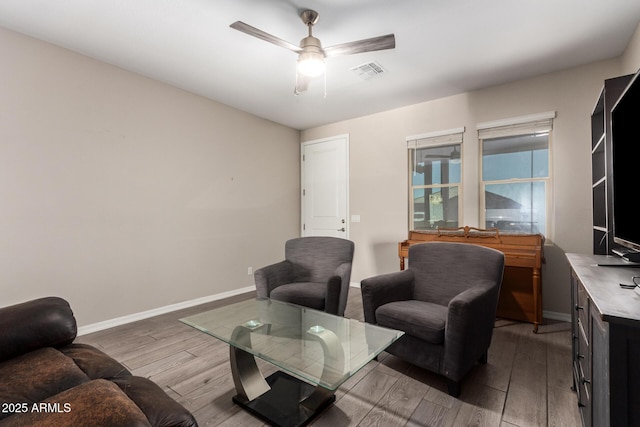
526 382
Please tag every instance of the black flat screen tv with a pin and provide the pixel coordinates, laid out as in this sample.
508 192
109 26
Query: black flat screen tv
625 137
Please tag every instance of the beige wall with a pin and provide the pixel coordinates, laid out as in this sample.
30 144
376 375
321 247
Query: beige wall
631 56
123 194
378 187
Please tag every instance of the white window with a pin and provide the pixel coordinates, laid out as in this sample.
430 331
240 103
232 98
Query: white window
515 173
435 176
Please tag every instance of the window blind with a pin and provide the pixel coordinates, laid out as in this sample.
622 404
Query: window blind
524 125
447 137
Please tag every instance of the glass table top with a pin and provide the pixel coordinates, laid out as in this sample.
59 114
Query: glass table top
321 348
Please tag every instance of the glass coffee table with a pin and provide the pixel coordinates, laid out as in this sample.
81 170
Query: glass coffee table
314 351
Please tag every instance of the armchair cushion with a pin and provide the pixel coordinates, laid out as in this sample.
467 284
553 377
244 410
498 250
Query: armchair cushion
421 319
308 294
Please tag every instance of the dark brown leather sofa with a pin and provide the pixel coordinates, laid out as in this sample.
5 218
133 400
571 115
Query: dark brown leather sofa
47 380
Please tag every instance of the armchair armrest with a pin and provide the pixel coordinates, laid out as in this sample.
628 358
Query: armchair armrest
338 289
44 322
470 323
332 297
383 289
270 277
344 272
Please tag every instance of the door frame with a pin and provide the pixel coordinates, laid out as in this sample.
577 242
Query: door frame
303 145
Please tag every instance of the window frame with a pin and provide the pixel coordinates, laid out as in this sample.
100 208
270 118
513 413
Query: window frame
452 137
524 125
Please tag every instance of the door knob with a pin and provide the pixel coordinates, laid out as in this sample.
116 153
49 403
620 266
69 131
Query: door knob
341 229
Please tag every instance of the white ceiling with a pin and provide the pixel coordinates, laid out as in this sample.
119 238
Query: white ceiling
443 47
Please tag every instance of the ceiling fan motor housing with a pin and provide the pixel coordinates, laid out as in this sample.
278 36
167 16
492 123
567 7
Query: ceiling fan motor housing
311 44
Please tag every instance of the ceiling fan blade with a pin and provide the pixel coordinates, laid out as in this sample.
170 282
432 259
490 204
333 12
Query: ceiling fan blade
253 31
360 46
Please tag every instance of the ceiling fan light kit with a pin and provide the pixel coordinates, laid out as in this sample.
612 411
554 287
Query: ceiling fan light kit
311 55
311 59
311 64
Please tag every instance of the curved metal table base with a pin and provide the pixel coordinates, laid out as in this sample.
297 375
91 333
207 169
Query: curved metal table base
281 399
249 382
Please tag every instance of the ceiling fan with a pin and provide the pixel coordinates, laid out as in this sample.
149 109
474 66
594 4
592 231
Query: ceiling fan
311 54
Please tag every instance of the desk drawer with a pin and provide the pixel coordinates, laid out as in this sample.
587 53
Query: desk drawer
582 307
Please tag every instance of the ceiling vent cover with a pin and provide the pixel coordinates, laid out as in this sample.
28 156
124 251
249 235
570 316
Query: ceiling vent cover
368 70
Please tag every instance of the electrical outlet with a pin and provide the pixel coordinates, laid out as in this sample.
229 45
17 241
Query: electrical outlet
249 271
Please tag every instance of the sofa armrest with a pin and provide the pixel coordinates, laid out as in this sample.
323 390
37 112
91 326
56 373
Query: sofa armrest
469 328
383 289
44 322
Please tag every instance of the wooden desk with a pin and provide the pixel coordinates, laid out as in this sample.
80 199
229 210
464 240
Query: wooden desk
521 291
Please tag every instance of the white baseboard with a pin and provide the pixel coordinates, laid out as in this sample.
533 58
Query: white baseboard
554 315
118 321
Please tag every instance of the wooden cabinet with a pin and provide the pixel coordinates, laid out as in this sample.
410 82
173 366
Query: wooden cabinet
606 341
601 163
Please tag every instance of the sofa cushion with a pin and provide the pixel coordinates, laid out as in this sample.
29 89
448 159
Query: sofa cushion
93 362
420 319
308 294
95 403
36 376
160 409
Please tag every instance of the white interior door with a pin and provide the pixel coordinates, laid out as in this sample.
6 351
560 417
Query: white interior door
325 186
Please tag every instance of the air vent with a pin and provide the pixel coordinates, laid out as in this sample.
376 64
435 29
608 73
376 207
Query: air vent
369 70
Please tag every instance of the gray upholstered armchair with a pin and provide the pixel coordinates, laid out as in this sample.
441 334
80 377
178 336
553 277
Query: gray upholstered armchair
445 302
315 273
